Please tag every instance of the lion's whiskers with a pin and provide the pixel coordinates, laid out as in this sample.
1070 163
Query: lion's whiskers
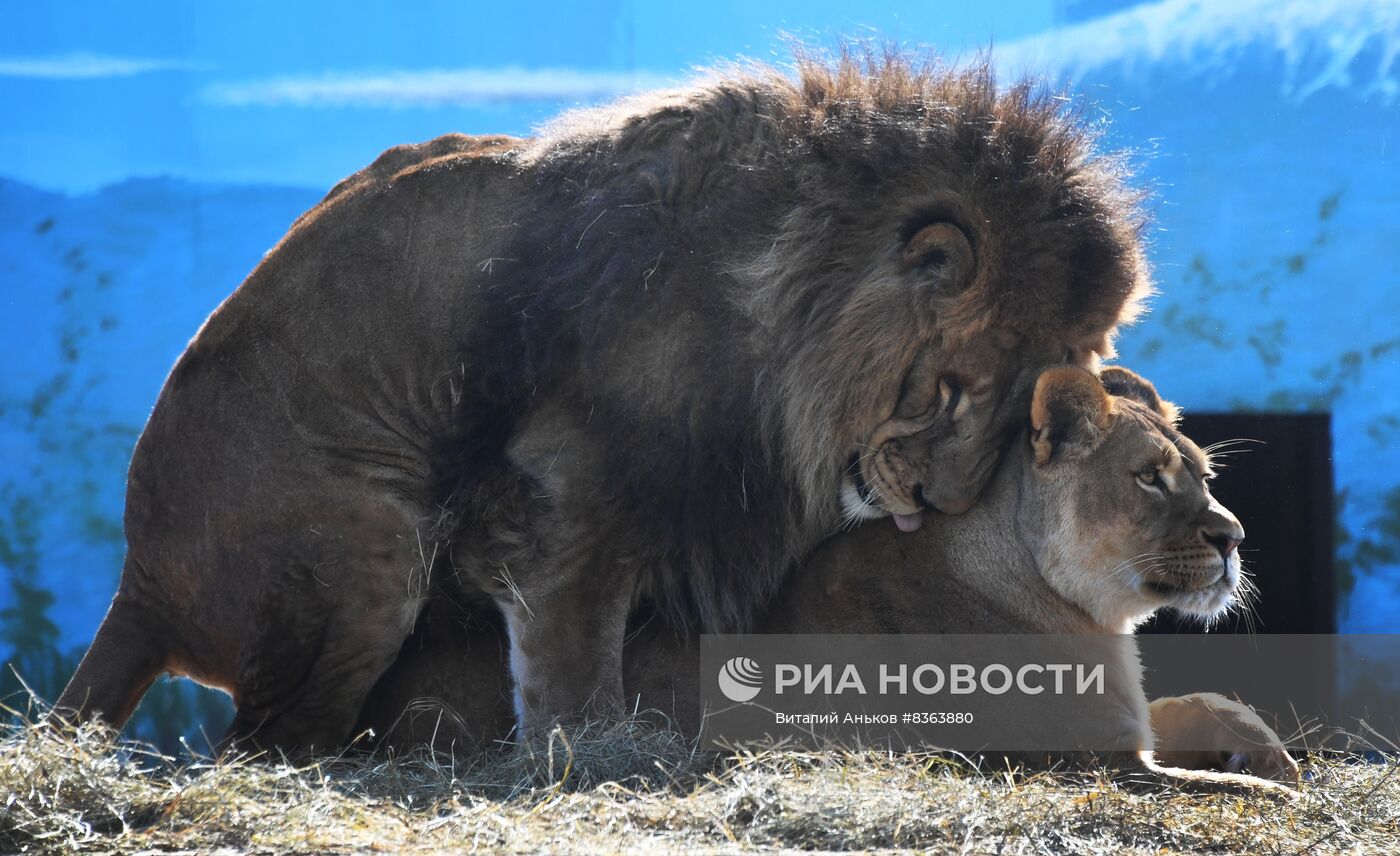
852 516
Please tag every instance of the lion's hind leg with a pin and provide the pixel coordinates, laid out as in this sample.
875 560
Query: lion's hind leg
328 629
313 709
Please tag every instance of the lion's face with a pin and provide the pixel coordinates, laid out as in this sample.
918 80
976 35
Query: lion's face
1134 526
956 410
951 412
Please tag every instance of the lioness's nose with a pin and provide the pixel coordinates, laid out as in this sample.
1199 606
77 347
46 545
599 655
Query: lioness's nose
1220 528
1225 542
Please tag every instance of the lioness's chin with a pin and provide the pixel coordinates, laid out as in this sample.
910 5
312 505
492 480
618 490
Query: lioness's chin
1206 602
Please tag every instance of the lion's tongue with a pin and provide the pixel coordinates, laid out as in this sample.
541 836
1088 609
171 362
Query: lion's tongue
909 522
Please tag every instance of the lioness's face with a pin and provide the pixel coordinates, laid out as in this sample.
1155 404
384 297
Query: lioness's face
1136 526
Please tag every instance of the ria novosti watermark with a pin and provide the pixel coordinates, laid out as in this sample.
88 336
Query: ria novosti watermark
741 679
1033 692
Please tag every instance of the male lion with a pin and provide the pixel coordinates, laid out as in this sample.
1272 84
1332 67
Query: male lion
1099 482
697 326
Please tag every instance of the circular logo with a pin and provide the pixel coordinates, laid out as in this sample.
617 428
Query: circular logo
740 679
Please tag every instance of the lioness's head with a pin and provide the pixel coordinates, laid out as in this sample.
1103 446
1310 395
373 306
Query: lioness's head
1131 525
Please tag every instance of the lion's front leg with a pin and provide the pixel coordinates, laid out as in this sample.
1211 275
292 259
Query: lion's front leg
566 622
1207 731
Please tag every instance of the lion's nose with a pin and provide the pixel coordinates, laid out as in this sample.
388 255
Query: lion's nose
1225 542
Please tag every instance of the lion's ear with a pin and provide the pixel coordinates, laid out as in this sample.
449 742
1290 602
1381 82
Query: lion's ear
1127 384
944 250
1070 411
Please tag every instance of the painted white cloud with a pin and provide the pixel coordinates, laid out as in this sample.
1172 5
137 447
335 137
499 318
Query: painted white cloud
430 87
85 66
1323 43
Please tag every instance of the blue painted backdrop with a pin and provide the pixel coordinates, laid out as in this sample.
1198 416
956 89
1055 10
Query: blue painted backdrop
152 152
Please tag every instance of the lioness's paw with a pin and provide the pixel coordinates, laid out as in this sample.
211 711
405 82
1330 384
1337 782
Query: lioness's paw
1207 731
1274 764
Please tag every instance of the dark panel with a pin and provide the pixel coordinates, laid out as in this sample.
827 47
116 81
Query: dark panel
1281 489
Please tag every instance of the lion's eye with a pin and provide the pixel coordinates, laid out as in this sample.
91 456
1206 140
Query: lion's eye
961 405
952 397
1152 479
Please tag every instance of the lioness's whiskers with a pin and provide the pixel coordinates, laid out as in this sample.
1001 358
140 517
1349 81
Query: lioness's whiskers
1155 562
1227 448
1131 565
1247 601
1227 444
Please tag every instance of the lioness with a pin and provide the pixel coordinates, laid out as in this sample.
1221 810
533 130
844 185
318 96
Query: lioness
704 324
1099 516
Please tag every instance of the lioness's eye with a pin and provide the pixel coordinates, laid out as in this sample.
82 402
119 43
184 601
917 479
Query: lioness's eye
1153 479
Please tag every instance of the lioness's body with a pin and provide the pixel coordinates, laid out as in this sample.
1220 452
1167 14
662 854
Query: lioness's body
1023 561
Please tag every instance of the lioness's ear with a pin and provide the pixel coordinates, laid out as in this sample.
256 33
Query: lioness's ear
1126 384
1071 409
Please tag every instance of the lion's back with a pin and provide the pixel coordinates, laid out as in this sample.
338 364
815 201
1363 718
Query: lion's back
338 360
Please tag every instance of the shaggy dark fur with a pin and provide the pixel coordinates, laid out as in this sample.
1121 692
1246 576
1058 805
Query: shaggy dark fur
673 320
